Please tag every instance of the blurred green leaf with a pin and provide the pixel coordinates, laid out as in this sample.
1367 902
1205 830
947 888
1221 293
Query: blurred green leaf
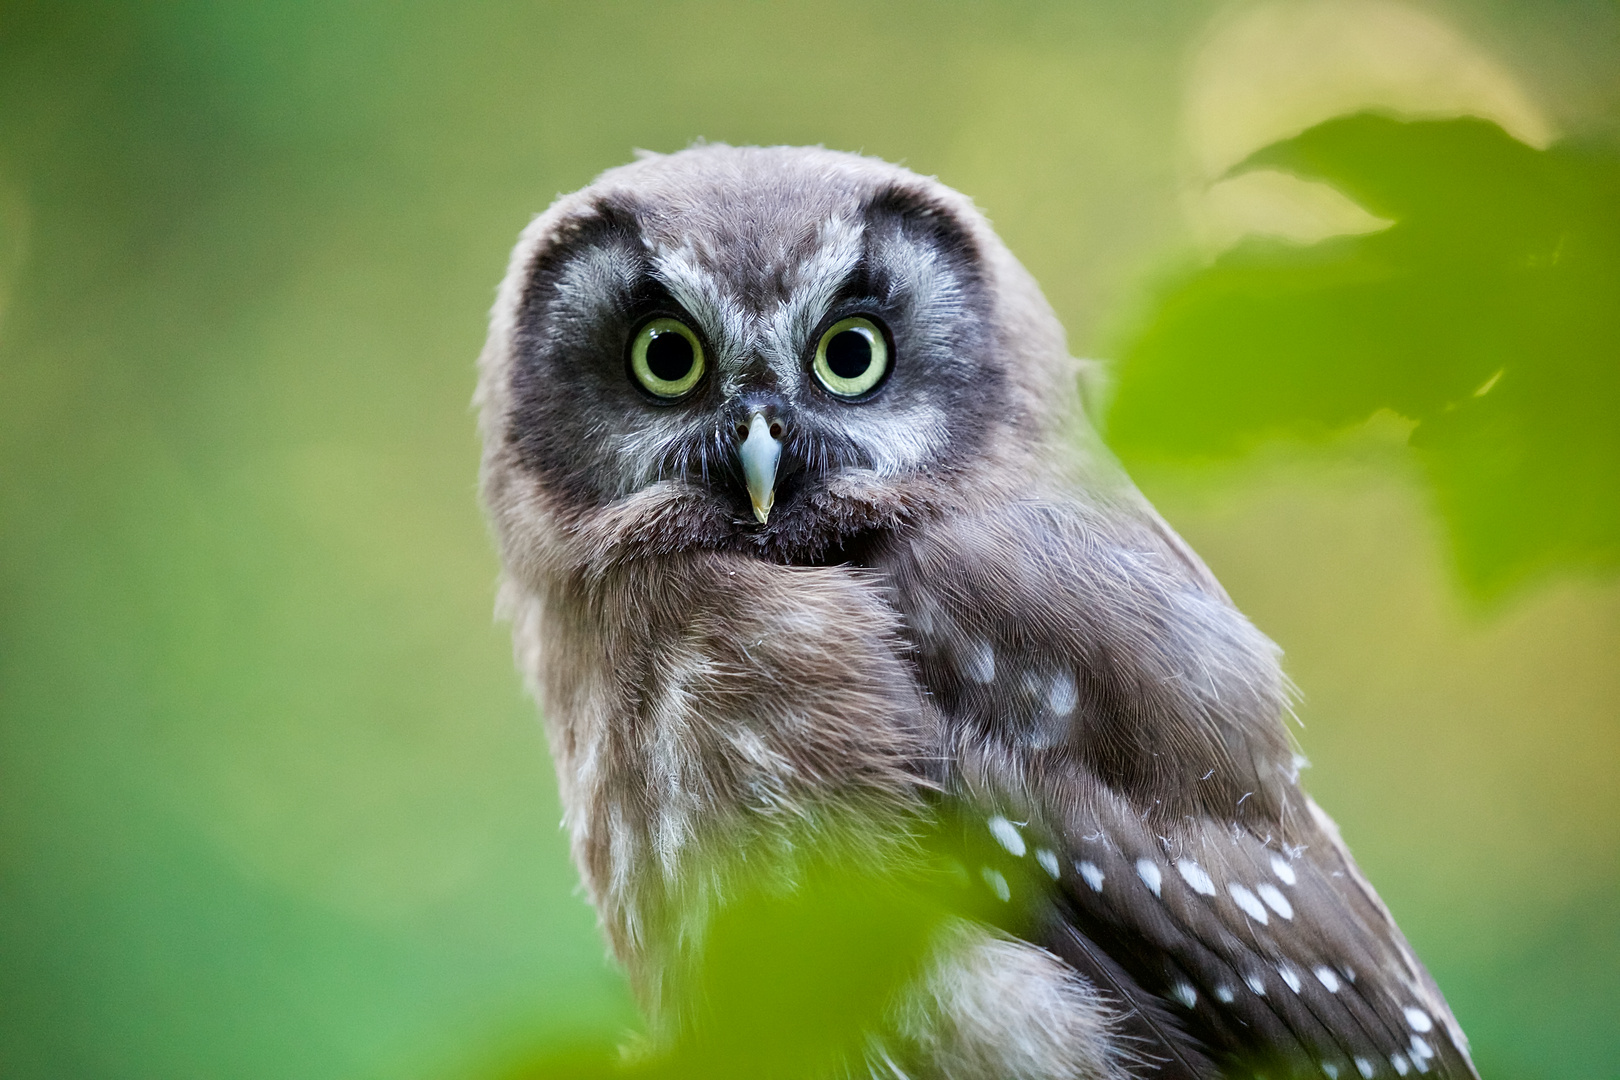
796 981
1489 313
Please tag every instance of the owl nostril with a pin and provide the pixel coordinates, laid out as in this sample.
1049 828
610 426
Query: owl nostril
775 430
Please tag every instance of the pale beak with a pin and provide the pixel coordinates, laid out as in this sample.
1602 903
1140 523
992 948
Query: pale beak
760 452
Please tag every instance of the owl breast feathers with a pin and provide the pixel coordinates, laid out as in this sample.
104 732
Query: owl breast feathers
804 528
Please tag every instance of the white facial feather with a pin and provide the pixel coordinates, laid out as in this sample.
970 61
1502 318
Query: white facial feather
813 283
722 317
663 446
900 439
600 272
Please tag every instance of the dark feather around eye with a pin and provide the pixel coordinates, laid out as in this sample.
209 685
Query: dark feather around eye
898 211
606 224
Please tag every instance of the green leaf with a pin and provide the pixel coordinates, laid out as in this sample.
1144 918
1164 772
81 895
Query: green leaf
1489 313
795 982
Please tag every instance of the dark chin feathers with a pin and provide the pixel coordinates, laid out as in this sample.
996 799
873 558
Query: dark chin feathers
820 521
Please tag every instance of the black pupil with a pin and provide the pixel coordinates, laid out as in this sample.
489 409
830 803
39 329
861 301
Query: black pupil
669 356
849 354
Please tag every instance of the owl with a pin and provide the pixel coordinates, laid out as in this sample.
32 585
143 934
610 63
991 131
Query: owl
804 531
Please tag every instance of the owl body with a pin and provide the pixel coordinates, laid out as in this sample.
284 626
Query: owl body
804 532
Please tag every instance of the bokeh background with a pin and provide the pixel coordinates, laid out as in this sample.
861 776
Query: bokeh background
272 803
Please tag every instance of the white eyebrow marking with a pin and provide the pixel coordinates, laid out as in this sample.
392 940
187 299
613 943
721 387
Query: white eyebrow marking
1150 875
812 286
1007 835
1195 876
722 320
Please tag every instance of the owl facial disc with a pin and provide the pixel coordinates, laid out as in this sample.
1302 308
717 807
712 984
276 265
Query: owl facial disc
760 452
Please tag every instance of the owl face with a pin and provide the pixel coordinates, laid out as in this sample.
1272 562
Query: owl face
780 339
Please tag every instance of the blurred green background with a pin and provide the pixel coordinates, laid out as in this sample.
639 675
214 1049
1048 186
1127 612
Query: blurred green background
272 803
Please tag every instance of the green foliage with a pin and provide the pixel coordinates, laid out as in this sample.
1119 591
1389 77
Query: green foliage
795 982
790 983
1489 313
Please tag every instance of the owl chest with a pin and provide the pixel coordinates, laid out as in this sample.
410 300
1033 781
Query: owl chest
674 752
717 710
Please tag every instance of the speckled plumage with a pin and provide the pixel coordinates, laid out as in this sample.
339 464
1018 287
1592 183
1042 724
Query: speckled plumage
956 597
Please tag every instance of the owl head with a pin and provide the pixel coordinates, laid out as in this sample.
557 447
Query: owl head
768 349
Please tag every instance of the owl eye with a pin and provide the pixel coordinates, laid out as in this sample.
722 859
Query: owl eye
666 358
852 357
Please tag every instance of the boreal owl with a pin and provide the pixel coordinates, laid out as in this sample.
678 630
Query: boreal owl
803 527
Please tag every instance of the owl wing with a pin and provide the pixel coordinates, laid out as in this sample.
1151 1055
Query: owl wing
1279 958
1116 729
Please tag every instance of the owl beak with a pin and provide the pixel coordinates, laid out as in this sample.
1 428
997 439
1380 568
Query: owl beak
760 452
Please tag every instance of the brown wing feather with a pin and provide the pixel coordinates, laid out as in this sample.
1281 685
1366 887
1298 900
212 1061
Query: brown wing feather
1103 694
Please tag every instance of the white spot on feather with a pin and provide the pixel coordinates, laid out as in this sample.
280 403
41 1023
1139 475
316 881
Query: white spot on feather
1224 994
1184 993
1399 1061
1325 976
1007 835
1195 876
1289 976
1275 900
1284 872
1417 1019
1248 902
1365 1068
1048 861
1256 983
979 662
1331 1070
997 883
1093 875
1150 875
1061 696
